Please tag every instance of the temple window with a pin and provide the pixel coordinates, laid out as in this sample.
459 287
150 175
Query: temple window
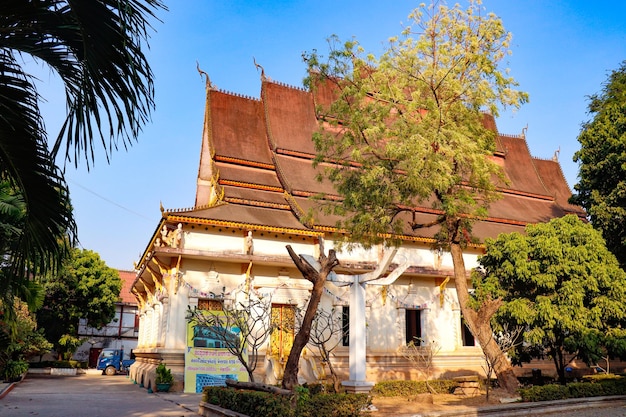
413 326
345 325
466 334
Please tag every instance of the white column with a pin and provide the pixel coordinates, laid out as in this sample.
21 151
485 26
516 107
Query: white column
357 333
150 333
358 365
141 339
158 313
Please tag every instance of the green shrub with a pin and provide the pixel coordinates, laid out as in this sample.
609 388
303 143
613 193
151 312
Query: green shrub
317 388
544 393
334 405
59 364
78 364
613 386
403 388
599 387
251 403
13 370
301 404
584 389
600 377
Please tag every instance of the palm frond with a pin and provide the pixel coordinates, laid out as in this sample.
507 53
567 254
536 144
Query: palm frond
26 164
96 47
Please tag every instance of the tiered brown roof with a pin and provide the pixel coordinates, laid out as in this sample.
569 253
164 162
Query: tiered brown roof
256 170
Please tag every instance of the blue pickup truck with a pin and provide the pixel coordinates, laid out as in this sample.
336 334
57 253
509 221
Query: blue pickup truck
111 362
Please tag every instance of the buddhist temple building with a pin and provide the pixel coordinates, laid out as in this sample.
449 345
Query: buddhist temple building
255 180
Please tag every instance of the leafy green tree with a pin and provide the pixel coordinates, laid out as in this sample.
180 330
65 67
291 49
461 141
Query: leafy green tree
20 339
96 49
406 130
84 288
561 283
601 190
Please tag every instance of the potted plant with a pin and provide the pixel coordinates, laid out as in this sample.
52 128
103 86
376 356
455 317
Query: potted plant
164 378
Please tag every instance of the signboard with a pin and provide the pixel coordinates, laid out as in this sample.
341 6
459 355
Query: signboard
207 361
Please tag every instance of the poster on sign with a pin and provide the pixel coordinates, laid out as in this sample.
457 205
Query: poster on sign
207 359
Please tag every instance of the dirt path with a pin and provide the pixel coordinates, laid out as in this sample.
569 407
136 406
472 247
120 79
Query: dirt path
402 406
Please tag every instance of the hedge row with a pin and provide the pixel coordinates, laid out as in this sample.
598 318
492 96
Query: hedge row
401 388
59 364
597 388
301 404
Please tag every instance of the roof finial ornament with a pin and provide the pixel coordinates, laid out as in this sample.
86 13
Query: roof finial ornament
524 130
257 67
209 84
555 158
161 207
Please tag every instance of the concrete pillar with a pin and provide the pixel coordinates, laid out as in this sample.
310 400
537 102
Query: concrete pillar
358 366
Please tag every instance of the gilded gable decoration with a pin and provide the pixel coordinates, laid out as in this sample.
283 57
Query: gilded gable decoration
216 195
209 84
259 67
172 238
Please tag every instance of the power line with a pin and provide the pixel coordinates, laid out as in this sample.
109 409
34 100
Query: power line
109 201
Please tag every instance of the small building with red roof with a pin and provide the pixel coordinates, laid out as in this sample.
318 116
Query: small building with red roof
120 333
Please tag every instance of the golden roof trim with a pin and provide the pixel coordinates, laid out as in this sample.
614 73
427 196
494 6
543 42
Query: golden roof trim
243 225
244 162
256 203
251 185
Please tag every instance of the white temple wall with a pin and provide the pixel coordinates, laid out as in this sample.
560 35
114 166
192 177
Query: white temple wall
381 322
264 243
206 277
356 254
163 325
442 323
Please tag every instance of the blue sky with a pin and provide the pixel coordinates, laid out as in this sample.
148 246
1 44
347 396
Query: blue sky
563 52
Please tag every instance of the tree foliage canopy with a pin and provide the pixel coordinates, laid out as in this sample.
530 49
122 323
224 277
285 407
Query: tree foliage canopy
561 283
84 288
20 339
406 131
411 120
601 190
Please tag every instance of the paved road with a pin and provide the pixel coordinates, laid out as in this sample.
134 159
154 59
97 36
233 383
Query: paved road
612 411
93 396
101 396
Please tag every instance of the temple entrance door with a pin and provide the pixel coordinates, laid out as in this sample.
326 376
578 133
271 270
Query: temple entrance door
284 320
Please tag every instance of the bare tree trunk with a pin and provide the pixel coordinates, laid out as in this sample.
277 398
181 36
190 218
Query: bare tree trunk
250 373
325 354
479 324
318 278
333 376
559 362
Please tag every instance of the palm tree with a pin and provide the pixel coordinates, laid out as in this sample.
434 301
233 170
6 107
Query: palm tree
95 47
